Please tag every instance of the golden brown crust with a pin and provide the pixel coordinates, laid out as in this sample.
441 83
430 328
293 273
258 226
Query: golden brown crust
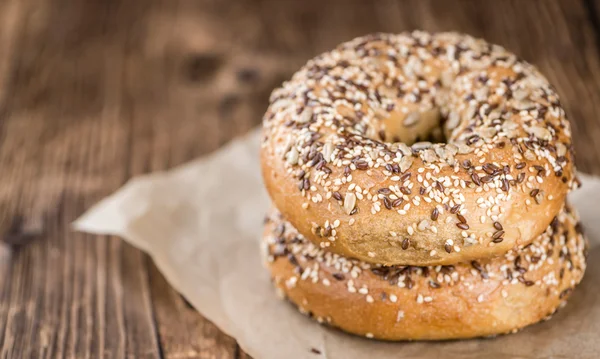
475 299
497 183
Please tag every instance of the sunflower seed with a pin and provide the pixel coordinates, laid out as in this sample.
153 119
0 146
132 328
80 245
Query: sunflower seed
328 151
405 163
349 202
305 116
292 156
540 132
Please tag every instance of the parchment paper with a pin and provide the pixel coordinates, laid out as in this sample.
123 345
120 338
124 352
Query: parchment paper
202 222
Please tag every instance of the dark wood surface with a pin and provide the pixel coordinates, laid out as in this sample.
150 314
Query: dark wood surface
95 92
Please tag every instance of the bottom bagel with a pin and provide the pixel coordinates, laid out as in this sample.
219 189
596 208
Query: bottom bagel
480 298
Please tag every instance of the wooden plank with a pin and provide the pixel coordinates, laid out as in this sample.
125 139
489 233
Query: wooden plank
183 332
185 98
187 94
11 12
65 143
590 55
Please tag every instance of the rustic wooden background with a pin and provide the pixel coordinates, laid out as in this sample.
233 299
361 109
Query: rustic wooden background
93 92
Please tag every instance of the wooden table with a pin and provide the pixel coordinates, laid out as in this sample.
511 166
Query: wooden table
95 92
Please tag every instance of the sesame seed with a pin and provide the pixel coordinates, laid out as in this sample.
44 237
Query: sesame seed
423 225
399 316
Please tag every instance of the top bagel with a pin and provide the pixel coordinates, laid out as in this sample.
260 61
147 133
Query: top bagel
345 161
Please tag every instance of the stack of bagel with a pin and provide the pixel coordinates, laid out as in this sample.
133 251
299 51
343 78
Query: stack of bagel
419 185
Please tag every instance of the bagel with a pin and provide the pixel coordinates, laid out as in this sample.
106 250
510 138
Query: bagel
345 159
480 298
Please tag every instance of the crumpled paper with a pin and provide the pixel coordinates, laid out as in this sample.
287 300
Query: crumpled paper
202 222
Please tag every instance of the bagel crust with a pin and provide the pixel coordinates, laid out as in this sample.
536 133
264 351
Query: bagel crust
344 161
473 299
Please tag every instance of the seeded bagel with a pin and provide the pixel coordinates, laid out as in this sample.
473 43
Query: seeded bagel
473 299
418 149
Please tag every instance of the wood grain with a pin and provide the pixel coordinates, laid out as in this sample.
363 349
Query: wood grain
10 15
95 92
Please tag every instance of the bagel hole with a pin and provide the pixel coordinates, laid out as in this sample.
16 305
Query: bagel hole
413 127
